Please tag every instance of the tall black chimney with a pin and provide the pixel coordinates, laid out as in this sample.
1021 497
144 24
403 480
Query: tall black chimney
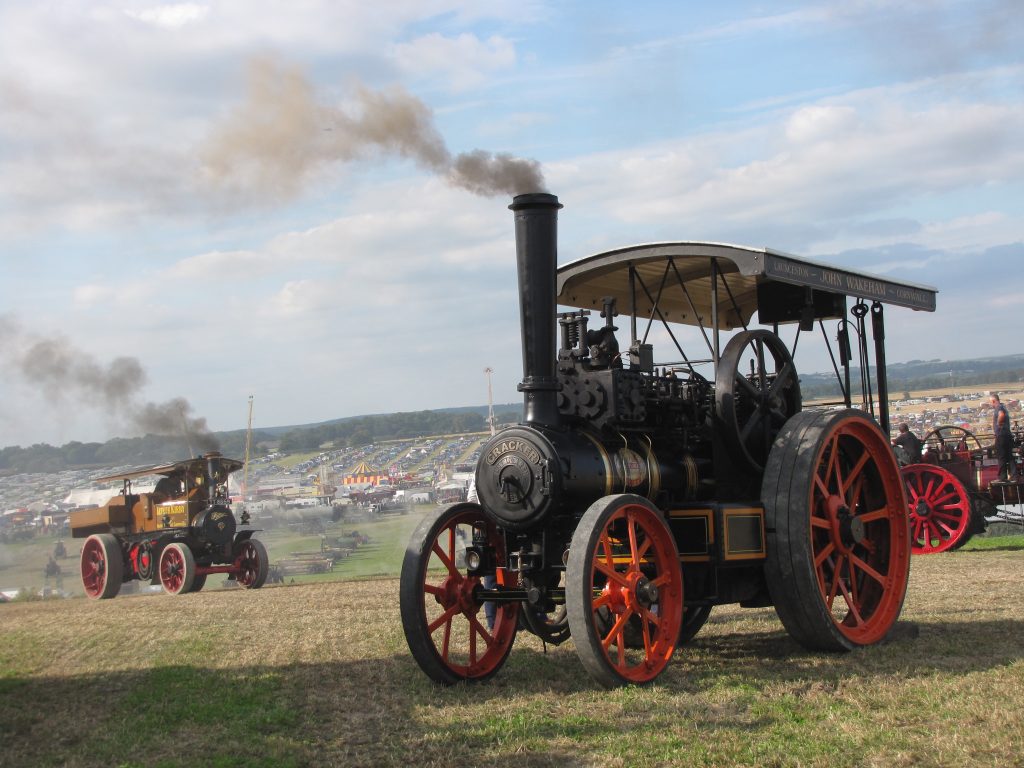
537 260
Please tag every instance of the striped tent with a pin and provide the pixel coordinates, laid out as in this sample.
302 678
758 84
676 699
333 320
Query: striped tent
364 474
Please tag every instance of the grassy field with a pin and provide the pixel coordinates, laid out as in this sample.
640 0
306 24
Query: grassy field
388 534
22 563
319 674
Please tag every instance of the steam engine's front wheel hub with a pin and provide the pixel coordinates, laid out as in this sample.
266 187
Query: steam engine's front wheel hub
646 592
923 508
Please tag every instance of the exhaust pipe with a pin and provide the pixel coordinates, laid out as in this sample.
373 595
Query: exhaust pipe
536 218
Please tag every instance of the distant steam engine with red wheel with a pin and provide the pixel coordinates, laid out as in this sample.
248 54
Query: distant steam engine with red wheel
637 494
176 535
955 489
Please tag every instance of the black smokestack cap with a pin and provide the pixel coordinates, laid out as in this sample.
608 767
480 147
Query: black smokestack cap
537 259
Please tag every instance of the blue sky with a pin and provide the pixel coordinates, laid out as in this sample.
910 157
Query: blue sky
176 188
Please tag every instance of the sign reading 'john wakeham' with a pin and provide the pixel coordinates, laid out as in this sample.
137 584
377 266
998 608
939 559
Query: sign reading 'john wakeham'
803 272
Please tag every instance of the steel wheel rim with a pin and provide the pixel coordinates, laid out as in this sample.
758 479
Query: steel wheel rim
940 511
859 536
94 567
172 570
620 584
451 617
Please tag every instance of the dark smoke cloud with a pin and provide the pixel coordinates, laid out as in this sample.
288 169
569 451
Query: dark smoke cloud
172 418
63 373
486 174
58 368
280 137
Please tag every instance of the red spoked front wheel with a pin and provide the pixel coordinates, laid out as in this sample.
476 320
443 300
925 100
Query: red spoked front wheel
102 566
839 542
624 591
253 563
446 626
177 569
939 508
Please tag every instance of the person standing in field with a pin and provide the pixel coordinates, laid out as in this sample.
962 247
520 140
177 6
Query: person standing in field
1001 430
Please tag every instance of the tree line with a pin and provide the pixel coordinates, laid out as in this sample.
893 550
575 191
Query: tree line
363 430
157 449
150 449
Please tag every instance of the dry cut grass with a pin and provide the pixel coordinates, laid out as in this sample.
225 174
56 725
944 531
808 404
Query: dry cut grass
319 674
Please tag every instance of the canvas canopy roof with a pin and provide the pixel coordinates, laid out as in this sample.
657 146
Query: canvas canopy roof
678 277
178 467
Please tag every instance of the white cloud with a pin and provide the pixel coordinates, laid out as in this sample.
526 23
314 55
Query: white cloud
802 19
985 228
915 35
64 168
100 37
820 123
91 295
1012 300
299 297
219 265
173 16
463 61
515 122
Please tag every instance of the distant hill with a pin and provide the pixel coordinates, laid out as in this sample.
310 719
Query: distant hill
478 410
927 374
913 374
350 431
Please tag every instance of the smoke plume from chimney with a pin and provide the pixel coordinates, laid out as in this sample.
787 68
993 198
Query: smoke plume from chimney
62 372
281 137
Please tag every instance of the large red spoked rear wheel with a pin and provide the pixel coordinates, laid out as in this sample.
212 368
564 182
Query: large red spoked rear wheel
624 570
839 543
102 566
253 564
447 630
939 507
177 569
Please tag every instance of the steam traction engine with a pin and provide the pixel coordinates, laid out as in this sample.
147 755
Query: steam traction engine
955 489
636 495
176 535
